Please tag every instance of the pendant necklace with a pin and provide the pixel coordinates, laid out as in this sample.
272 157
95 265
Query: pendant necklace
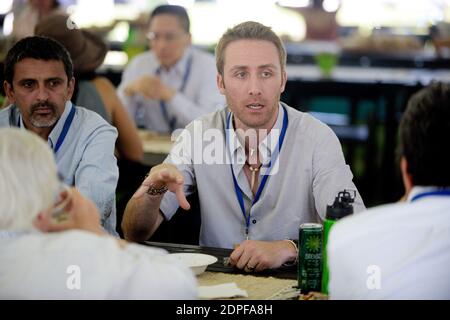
253 170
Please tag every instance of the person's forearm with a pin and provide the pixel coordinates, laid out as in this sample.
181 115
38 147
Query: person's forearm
128 142
141 217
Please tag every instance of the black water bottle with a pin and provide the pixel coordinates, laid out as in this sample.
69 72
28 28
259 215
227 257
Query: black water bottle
341 207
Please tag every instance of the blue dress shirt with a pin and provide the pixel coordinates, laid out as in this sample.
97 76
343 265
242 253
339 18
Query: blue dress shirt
86 157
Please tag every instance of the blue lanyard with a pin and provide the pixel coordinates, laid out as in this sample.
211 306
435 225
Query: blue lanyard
162 104
64 131
273 159
444 192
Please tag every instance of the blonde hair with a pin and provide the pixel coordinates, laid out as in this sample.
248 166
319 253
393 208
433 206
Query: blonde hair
252 31
28 178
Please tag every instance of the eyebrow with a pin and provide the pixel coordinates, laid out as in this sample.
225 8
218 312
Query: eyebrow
240 67
26 80
46 80
54 78
269 65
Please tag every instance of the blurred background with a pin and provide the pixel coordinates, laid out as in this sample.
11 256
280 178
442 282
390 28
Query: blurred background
351 63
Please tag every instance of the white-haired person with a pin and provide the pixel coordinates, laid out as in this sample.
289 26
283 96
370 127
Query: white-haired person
52 245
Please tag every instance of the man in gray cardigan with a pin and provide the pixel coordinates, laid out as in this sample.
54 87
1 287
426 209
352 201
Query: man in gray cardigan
261 168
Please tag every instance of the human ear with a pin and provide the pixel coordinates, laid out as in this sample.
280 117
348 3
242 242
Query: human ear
9 91
406 176
220 83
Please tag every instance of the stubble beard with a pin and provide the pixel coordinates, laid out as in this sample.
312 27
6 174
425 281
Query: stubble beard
253 122
40 121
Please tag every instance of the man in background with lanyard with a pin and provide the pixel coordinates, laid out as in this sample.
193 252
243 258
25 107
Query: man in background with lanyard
173 83
39 83
280 167
402 250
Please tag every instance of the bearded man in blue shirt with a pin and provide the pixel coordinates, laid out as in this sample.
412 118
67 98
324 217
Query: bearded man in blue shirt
39 83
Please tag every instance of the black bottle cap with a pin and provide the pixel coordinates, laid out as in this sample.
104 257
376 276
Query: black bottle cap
342 205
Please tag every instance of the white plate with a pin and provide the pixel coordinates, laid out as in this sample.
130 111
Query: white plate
196 261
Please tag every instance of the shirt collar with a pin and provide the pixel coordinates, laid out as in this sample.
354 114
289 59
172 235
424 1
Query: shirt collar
266 147
179 68
57 129
270 142
421 189
21 124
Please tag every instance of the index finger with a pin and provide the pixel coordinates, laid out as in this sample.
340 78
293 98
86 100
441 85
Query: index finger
168 176
60 226
181 197
143 188
236 255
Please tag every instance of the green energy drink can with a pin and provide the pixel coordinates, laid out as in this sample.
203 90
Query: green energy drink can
310 257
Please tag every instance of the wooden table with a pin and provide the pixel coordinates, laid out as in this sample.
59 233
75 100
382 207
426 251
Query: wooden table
156 146
257 287
276 284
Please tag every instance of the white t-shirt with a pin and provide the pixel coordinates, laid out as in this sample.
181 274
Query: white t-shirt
396 251
82 265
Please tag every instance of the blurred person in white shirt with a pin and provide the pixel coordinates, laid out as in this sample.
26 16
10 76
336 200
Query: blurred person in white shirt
402 250
33 12
173 83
